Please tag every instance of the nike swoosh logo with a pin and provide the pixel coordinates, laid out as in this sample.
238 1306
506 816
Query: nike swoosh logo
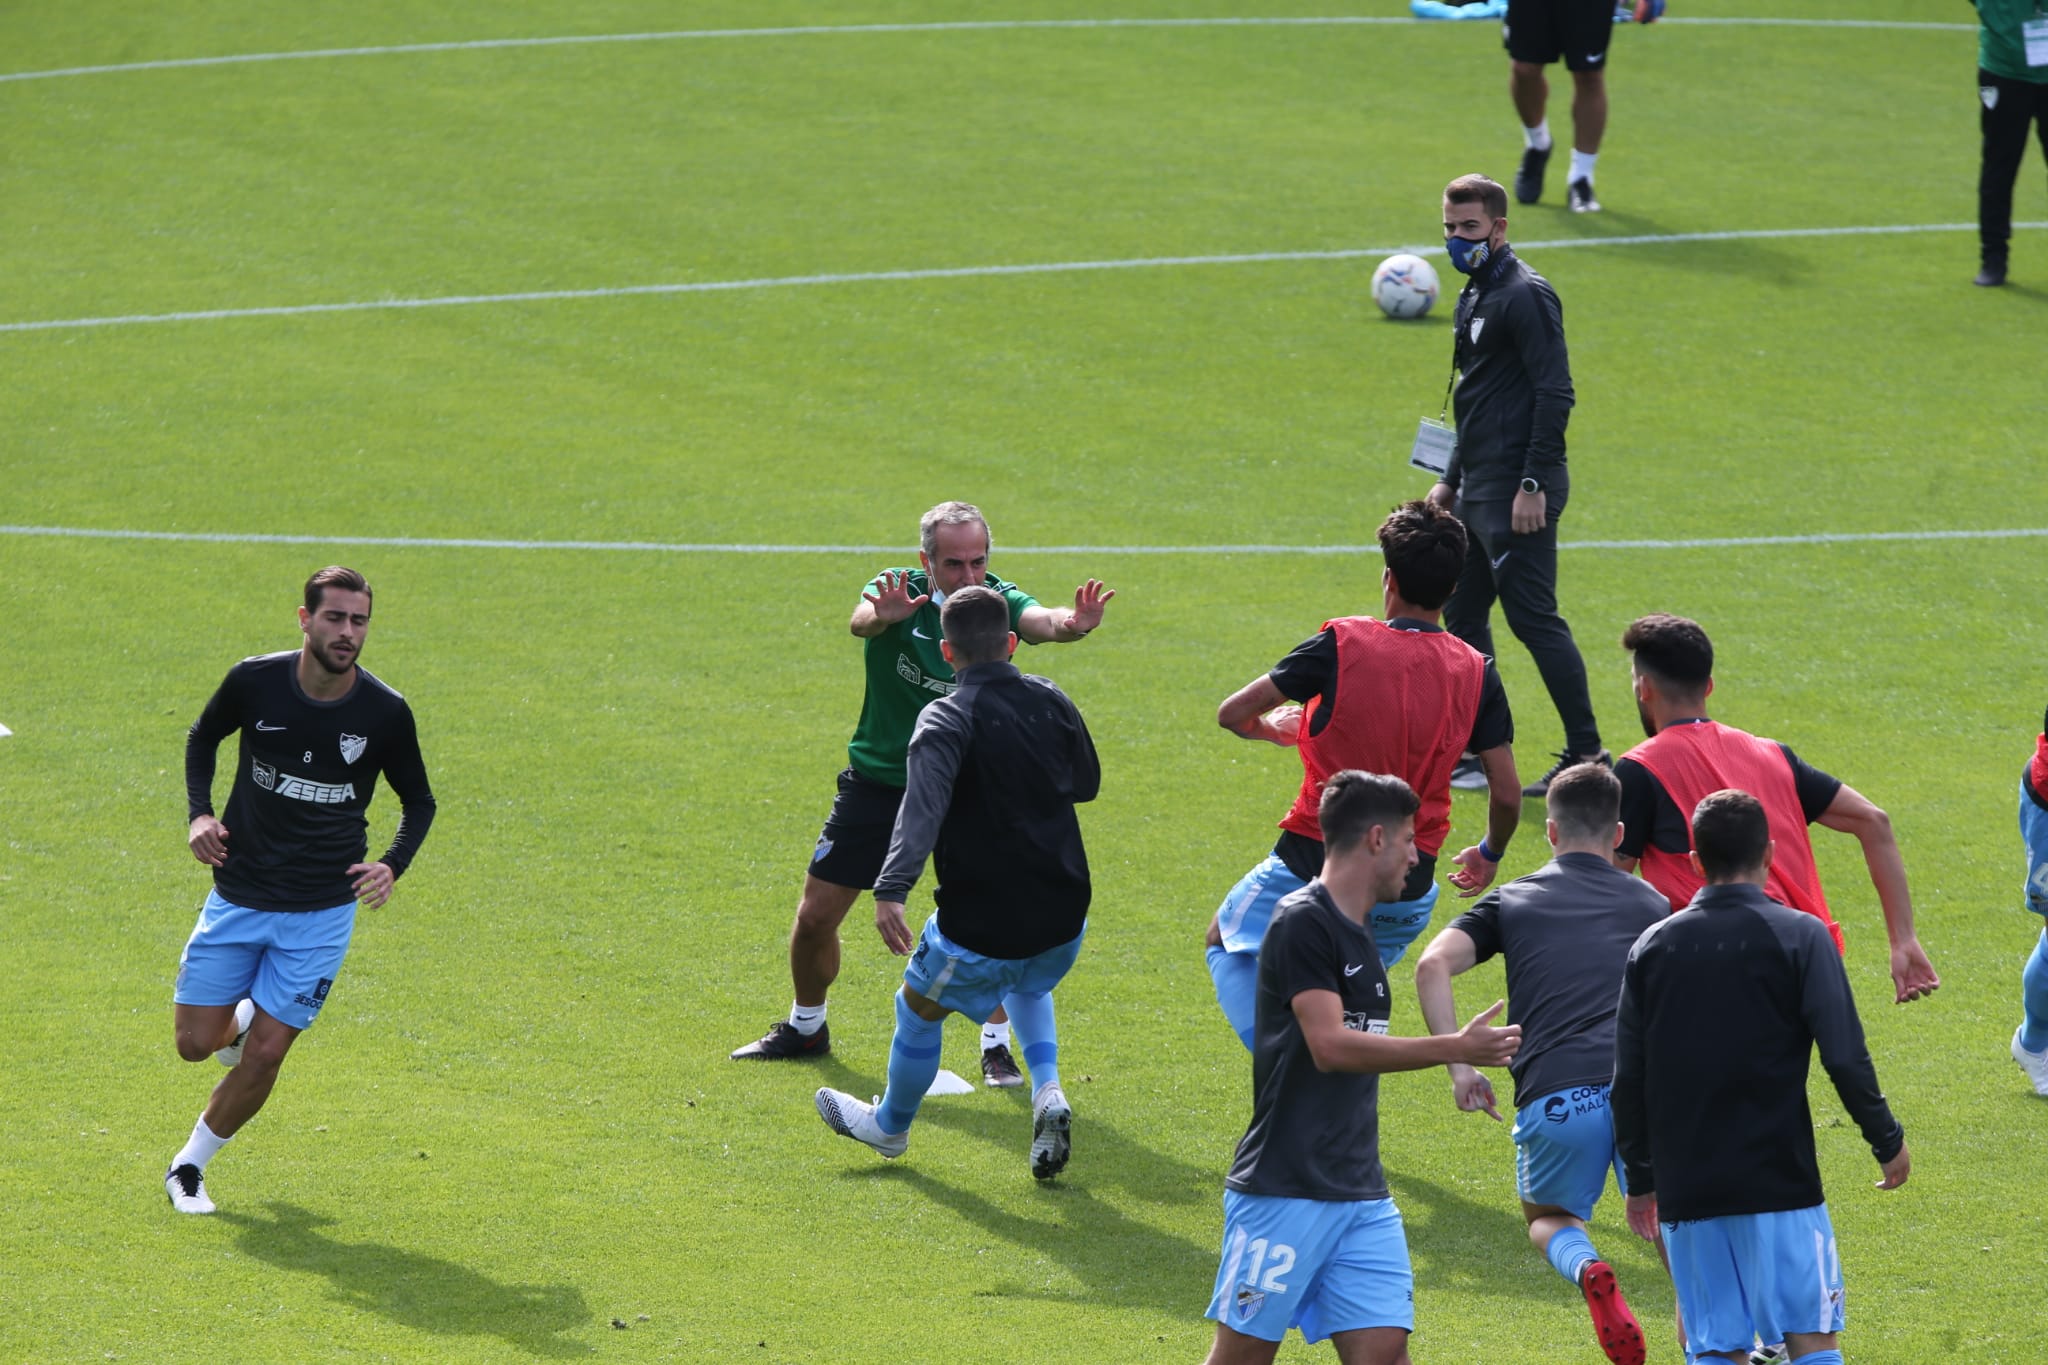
269 729
1353 970
1498 562
1596 59
919 634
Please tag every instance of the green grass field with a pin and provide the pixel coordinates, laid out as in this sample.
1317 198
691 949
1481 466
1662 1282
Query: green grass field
518 1124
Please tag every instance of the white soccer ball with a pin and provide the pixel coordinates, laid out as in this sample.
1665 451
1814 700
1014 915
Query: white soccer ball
1404 286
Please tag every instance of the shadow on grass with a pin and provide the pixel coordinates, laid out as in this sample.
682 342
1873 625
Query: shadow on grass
420 1292
1109 1158
1117 1261
1458 1242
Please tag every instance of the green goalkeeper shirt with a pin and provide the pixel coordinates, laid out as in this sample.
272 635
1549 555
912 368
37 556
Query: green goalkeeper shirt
905 671
2001 47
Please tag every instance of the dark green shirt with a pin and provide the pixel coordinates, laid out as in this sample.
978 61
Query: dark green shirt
2001 49
905 671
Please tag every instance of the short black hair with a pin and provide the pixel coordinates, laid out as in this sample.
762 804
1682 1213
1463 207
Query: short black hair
976 622
334 576
1353 802
1731 834
1673 650
1585 800
1424 547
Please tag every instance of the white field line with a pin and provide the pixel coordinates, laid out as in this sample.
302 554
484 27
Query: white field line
837 30
959 273
685 547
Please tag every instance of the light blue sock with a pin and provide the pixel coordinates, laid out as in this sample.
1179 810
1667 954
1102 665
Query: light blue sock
1031 1016
2034 1032
1237 989
913 1065
1569 1252
1820 1358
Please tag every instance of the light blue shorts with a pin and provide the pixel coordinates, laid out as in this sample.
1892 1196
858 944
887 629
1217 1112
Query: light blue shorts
1246 912
1564 1148
946 974
2034 829
285 962
1756 1276
1320 1265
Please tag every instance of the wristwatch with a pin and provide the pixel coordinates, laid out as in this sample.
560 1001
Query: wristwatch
1531 486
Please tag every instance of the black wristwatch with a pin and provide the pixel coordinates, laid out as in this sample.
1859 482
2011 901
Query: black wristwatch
1531 486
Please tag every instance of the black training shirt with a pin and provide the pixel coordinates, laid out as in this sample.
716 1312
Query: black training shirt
1515 385
1314 1134
304 776
1722 1006
1566 930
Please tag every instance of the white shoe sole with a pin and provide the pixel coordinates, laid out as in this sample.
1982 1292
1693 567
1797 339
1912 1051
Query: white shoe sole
1051 1139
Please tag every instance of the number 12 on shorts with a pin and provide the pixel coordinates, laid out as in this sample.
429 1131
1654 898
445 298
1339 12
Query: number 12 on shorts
1283 1263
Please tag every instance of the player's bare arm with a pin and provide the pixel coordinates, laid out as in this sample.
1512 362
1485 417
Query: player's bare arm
1913 975
1046 626
883 603
1259 711
1334 1047
1503 815
208 840
1449 954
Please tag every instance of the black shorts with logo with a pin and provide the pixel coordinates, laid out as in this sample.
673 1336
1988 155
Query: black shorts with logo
855 841
1541 31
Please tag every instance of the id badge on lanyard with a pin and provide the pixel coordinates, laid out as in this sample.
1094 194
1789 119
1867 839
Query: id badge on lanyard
2034 33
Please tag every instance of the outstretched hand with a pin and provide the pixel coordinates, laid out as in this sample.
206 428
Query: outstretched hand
1089 600
890 596
1475 871
1480 1044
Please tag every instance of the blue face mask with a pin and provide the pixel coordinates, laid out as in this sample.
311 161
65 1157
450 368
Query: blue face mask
1467 256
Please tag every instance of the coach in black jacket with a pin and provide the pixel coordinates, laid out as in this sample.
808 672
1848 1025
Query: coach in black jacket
1721 1008
1507 479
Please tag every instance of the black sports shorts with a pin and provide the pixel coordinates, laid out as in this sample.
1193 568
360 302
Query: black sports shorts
1541 31
855 841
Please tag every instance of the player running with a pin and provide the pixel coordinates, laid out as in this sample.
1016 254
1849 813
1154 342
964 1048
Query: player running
1565 930
288 869
1687 756
995 771
2030 1039
898 619
1399 696
1311 1236
1721 1010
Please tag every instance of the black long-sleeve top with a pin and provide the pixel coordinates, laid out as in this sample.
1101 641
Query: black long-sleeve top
1721 1008
304 776
1515 391
994 773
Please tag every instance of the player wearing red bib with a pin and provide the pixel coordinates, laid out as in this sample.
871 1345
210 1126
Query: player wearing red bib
1687 757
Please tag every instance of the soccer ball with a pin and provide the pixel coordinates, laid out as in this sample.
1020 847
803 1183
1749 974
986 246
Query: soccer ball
1404 286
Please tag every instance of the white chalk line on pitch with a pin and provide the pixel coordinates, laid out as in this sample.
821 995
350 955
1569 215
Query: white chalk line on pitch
959 273
685 547
833 30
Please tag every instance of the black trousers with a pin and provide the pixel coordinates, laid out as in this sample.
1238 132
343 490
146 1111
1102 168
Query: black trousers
1521 572
2007 108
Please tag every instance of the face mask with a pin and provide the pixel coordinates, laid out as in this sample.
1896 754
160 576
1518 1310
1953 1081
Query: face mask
1467 256
938 595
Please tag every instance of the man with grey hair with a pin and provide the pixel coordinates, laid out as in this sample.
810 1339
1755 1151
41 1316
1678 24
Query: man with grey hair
898 619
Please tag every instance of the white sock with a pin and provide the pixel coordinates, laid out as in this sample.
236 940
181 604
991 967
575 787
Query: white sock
995 1035
1582 165
199 1148
806 1019
1537 138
